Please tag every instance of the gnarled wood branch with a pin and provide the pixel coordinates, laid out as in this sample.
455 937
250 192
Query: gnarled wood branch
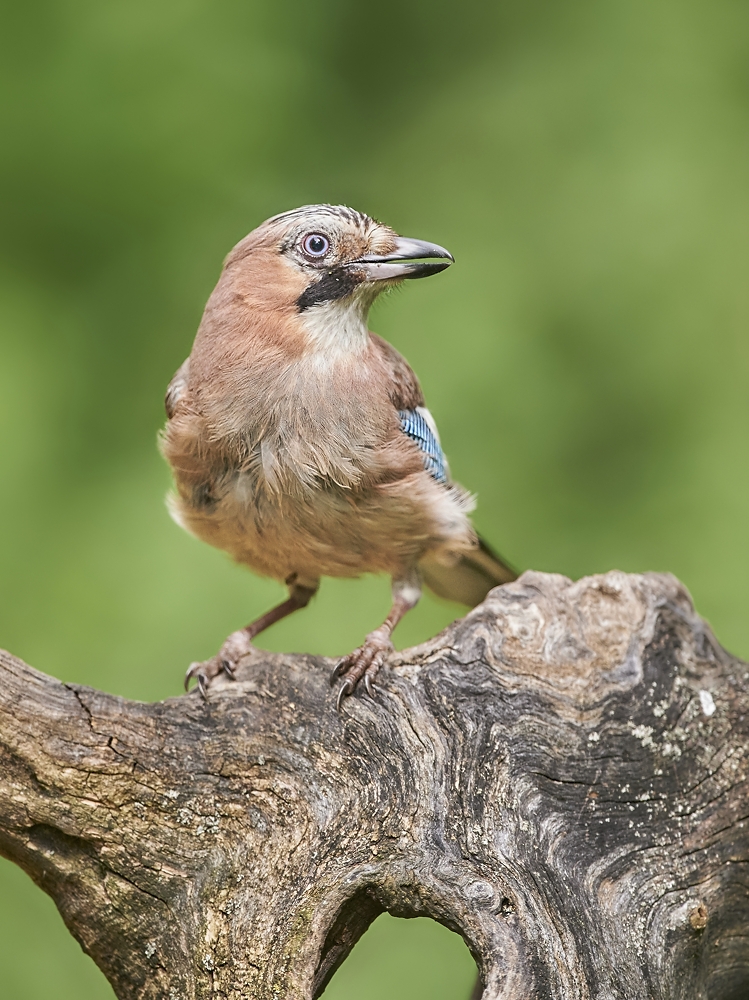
560 777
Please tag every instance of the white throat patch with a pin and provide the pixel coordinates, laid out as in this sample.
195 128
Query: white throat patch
337 329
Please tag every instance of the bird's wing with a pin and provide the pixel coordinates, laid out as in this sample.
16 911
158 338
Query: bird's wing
471 579
419 426
416 421
477 571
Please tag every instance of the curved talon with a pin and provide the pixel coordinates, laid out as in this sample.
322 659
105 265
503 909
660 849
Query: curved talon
337 670
223 664
189 674
343 691
361 665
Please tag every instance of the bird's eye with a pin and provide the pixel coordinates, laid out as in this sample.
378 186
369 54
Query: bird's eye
316 245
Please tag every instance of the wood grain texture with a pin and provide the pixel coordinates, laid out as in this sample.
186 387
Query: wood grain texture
561 777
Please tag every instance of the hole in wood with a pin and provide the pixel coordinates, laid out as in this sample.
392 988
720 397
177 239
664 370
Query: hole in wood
405 959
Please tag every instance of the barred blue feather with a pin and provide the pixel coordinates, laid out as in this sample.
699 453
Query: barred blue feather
417 428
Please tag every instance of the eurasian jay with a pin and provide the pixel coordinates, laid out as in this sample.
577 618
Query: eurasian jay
299 440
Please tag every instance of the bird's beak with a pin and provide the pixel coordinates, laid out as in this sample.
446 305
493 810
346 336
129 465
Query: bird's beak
406 261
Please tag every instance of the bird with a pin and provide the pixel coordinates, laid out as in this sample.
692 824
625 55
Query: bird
300 442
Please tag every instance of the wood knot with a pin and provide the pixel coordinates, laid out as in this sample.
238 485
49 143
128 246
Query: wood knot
698 917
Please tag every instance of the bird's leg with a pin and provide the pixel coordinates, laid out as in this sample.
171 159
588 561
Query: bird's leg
239 643
368 658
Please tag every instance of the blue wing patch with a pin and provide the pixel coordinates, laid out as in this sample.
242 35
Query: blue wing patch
417 428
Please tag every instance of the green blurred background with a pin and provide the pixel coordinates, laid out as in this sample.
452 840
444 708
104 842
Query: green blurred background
586 358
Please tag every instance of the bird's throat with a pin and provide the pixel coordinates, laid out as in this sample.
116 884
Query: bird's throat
335 330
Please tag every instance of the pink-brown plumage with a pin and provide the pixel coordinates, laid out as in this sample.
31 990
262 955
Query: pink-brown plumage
284 433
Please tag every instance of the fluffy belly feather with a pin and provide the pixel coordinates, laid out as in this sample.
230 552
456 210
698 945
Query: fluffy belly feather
333 532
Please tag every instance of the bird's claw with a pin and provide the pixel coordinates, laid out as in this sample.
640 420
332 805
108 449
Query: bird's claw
343 691
337 670
203 675
363 664
225 662
192 671
206 672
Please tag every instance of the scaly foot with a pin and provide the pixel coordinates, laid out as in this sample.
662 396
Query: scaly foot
224 662
363 662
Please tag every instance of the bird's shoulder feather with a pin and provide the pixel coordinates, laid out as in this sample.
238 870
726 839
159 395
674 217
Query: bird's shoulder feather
405 391
416 422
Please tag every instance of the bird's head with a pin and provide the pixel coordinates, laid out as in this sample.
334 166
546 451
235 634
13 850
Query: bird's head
327 264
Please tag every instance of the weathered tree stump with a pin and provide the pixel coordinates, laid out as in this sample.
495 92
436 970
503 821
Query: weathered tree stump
560 777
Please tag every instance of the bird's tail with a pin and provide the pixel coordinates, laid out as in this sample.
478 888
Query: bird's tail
471 579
